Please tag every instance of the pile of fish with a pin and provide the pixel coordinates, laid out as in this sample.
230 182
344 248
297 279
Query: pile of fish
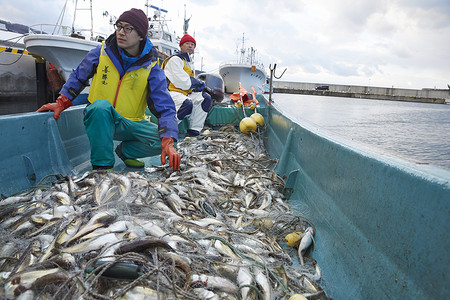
213 230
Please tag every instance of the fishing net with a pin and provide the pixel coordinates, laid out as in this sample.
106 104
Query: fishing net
213 230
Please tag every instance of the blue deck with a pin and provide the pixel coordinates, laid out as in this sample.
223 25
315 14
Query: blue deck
381 223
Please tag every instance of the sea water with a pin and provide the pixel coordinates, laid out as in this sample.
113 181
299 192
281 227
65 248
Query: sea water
418 132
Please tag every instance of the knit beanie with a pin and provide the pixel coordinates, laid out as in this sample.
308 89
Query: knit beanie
137 18
187 38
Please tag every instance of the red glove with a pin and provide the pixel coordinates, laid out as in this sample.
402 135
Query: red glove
169 150
61 104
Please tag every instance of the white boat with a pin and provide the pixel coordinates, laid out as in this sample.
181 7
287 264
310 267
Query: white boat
66 50
247 71
159 33
66 46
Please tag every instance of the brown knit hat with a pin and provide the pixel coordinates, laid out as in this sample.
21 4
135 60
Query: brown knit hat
137 18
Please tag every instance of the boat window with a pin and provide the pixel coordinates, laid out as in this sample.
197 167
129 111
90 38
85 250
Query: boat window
167 50
167 37
3 26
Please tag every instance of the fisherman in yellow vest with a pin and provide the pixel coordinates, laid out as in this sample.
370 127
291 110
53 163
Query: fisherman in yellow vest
188 93
126 79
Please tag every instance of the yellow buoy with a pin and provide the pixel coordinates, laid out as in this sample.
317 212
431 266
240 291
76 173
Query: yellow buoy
247 125
259 119
293 238
298 297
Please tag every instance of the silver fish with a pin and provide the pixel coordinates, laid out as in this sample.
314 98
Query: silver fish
264 283
62 198
307 240
101 190
98 220
70 230
93 244
119 226
214 282
244 277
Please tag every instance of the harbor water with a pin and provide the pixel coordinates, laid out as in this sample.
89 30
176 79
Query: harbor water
417 132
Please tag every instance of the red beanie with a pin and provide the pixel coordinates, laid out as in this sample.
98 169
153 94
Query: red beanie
187 38
137 18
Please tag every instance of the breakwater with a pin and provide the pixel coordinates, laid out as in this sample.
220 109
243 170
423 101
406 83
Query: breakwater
438 96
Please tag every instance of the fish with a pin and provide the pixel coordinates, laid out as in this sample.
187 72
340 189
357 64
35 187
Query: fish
306 241
98 220
65 211
266 201
244 278
48 251
205 222
264 283
124 183
48 225
93 244
225 249
219 178
139 245
24 281
7 250
62 198
101 190
119 226
238 180
70 230
175 203
214 282
142 292
14 200
205 294
249 197
43 218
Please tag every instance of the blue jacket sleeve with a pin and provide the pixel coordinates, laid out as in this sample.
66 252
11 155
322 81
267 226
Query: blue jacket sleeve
160 100
79 78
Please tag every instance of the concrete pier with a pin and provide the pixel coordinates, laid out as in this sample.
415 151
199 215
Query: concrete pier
438 96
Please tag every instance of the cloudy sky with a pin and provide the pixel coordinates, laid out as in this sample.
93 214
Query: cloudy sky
400 43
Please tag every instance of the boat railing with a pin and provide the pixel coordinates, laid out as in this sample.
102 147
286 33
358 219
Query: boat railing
236 62
65 31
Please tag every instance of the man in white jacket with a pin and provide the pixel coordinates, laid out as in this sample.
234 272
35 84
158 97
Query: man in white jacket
188 93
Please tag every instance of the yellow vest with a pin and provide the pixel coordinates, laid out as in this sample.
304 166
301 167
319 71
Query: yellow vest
187 69
128 94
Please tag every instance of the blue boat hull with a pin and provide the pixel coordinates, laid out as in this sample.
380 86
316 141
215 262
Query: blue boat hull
381 223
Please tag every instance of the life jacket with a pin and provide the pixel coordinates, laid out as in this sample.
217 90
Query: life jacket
243 98
186 68
128 95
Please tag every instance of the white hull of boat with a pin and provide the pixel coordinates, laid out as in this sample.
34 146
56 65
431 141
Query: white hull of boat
64 52
232 74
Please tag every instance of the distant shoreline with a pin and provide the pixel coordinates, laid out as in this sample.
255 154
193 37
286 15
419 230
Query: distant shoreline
361 95
437 96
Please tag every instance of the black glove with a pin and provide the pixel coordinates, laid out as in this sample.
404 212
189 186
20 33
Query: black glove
197 85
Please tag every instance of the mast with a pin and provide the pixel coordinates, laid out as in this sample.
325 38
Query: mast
242 57
92 18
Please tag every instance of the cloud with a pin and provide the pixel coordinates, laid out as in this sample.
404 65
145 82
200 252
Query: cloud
391 42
